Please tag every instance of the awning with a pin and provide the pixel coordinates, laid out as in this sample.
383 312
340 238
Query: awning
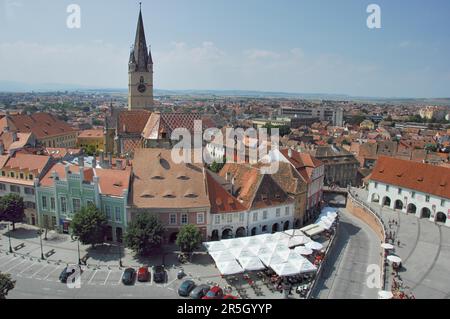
314 245
313 229
231 267
302 250
251 263
394 259
384 294
220 256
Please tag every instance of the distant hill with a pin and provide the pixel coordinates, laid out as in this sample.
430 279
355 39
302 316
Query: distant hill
10 86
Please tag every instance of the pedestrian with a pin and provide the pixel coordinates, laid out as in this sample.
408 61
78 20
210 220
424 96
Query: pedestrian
398 243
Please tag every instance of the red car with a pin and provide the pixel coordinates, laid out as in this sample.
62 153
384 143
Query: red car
214 293
229 297
143 274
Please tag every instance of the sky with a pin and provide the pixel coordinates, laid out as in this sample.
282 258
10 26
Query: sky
298 46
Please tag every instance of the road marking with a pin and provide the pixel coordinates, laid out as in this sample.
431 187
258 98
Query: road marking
90 280
109 273
169 283
37 271
28 267
51 272
7 270
14 258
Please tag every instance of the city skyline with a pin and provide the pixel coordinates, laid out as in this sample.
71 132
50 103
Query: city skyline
290 47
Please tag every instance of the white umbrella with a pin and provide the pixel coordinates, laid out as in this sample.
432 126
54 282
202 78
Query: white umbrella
242 252
294 232
223 255
314 245
298 240
229 267
306 266
264 238
251 263
324 224
272 258
214 246
384 294
387 246
232 243
279 236
286 269
394 259
302 250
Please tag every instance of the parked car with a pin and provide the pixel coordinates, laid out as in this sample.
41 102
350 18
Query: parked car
143 274
128 276
64 276
159 274
200 291
229 297
214 293
186 287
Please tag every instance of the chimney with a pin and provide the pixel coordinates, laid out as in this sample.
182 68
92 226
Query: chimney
118 163
81 160
232 185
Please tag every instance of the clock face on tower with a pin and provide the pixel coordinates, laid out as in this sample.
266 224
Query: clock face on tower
141 88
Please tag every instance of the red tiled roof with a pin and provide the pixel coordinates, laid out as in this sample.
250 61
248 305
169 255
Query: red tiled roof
221 200
113 181
429 179
91 134
42 125
47 180
132 122
33 163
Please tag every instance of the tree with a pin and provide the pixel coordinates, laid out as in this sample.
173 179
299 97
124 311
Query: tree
89 225
144 234
6 284
90 150
189 238
216 167
12 209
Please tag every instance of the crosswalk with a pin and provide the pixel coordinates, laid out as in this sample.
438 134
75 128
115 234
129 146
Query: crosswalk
23 267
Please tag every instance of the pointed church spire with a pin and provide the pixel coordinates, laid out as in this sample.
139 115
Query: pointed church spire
140 53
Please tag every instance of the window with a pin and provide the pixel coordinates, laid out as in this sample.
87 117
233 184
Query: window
118 214
11 174
108 212
30 176
387 188
265 214
3 173
53 221
184 219
21 176
14 188
76 204
442 202
241 217
278 212
52 203
44 202
413 194
217 219
255 216
29 190
200 218
29 205
173 219
286 211
89 202
2 187
399 191
427 198
376 185
229 218
63 204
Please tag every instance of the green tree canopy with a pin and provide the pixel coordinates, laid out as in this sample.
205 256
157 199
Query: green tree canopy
144 233
6 284
189 238
12 209
89 225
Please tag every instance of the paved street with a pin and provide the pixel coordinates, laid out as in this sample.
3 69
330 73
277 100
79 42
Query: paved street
345 276
425 251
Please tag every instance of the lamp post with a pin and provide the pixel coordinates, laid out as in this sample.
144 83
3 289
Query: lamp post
78 248
40 231
9 237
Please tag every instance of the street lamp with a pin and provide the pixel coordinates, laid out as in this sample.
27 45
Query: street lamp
78 248
9 237
40 231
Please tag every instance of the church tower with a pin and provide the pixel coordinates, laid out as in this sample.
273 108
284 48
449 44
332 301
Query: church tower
140 71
